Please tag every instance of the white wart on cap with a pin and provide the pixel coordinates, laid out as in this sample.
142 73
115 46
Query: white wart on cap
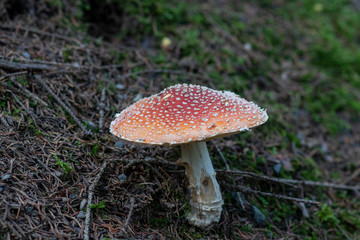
185 113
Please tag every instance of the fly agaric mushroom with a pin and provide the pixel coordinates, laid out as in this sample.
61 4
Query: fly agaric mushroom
189 115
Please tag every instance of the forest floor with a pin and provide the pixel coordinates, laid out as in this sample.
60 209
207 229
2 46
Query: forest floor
67 67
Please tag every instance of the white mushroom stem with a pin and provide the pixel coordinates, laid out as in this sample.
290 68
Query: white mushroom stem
206 201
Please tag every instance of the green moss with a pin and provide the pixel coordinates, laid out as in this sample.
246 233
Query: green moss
66 167
246 228
327 215
306 229
310 170
95 150
159 58
98 206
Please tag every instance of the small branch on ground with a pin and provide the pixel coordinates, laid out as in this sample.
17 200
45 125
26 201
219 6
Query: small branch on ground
228 169
221 155
12 74
90 197
291 181
151 160
278 196
247 174
132 204
130 164
22 66
102 107
74 65
343 232
72 114
33 30
37 65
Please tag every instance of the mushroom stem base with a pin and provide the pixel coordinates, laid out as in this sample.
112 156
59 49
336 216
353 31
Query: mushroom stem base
206 201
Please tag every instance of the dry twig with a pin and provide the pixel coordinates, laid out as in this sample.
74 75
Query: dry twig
102 106
91 193
228 168
33 30
22 66
37 65
150 160
132 204
247 174
221 155
12 74
292 181
278 196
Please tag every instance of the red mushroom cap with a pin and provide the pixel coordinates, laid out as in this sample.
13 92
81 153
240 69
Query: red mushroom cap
186 113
